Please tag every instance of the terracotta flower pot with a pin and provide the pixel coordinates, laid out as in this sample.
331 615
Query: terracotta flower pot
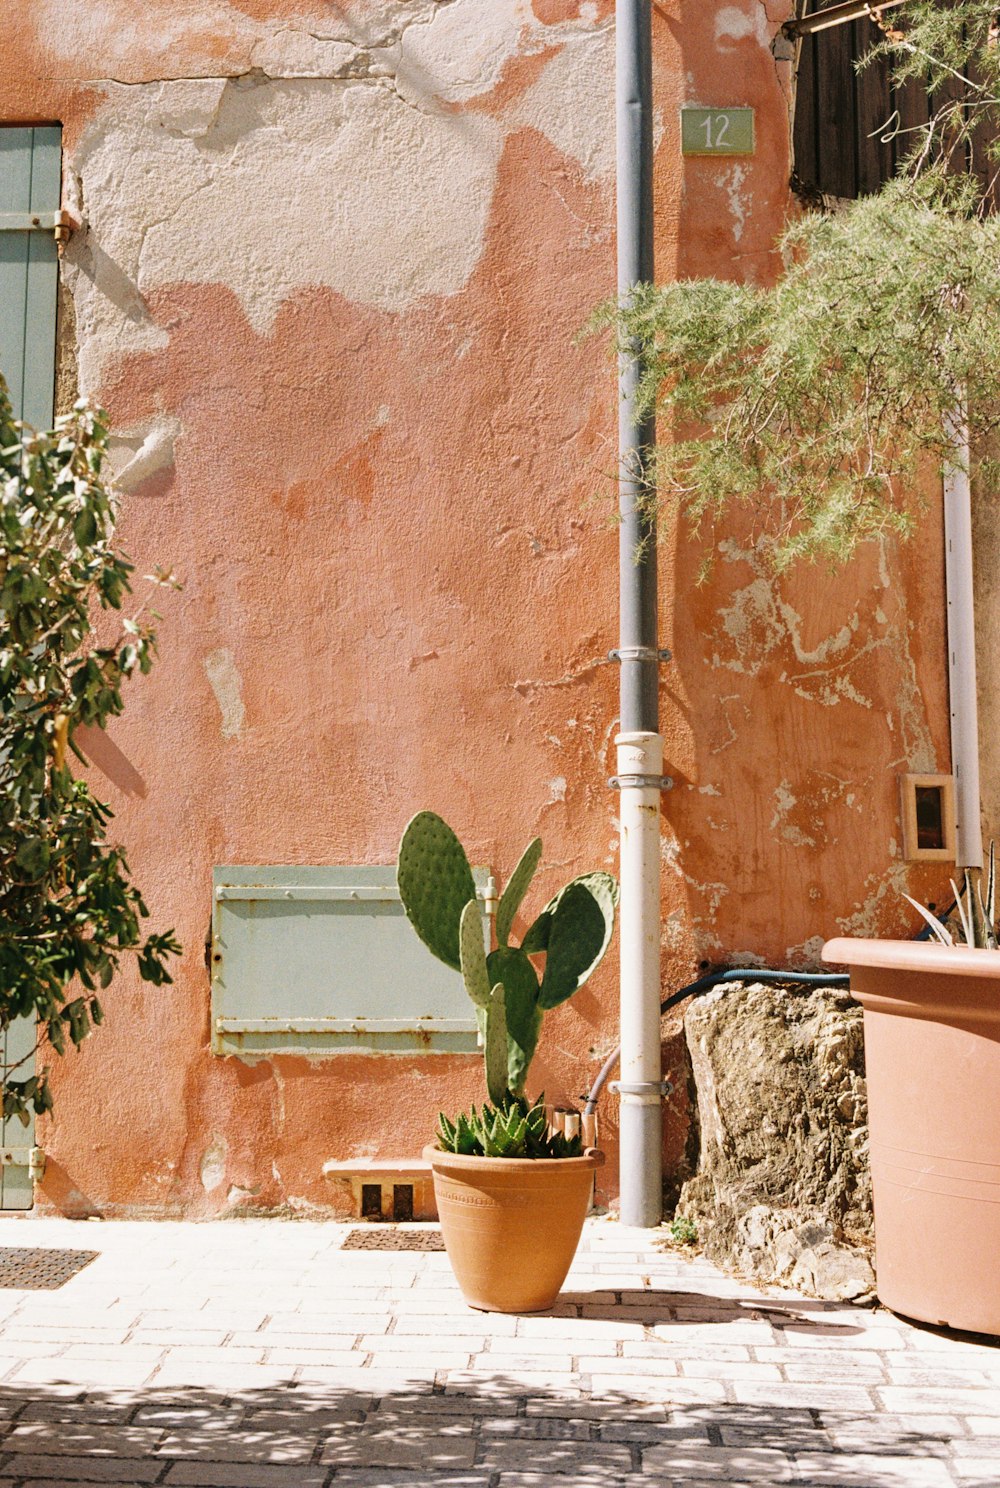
511 1225
932 1054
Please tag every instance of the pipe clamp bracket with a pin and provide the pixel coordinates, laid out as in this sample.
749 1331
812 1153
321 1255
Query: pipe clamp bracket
641 782
640 653
647 1090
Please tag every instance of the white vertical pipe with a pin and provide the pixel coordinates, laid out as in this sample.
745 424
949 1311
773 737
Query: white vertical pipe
640 754
962 647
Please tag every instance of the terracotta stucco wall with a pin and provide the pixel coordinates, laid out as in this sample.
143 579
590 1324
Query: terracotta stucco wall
334 260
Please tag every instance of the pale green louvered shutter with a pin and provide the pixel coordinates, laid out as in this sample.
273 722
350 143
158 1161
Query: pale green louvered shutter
29 269
30 172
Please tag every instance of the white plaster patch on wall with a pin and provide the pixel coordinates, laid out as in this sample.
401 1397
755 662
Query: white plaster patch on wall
670 855
463 52
831 646
117 32
752 621
784 802
224 680
919 753
269 197
731 181
733 23
866 921
573 102
213 1165
809 952
143 450
124 38
557 788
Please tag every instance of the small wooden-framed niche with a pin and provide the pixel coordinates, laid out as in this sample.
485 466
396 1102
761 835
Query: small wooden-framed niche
928 812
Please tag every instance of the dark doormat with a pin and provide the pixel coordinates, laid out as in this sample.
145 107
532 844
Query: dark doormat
41 1270
388 1237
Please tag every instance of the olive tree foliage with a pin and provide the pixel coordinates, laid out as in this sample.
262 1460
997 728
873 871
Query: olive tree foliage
69 911
824 399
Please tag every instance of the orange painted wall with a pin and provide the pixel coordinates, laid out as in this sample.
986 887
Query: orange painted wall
372 466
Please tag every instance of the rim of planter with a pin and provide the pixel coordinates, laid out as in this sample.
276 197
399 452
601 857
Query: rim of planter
593 1157
913 955
921 979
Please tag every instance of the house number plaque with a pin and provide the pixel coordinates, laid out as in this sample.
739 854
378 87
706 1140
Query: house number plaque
727 131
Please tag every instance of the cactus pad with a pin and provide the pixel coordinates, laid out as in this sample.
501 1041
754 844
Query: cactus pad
473 955
495 1051
517 887
520 984
435 884
580 925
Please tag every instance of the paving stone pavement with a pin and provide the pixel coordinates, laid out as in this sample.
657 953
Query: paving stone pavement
260 1354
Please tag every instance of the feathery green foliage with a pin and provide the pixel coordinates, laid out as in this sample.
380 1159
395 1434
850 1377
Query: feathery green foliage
824 400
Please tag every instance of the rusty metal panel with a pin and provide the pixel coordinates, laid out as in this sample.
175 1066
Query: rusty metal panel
321 960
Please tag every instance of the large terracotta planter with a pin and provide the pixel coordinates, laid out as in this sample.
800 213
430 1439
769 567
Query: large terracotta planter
932 1055
511 1225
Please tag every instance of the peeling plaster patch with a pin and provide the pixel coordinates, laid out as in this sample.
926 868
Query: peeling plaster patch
810 952
224 679
809 828
733 24
866 921
182 187
713 893
753 623
557 788
787 831
292 53
462 54
213 39
709 790
572 103
731 181
143 450
213 1165
758 622
106 28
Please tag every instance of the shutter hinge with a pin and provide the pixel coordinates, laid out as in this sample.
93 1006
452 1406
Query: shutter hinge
61 223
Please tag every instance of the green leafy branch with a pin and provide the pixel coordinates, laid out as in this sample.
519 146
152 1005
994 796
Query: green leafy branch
69 910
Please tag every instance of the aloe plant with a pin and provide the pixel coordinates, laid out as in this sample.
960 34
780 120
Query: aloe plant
975 909
511 1129
572 932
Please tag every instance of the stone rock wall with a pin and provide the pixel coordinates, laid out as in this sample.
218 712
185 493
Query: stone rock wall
782 1191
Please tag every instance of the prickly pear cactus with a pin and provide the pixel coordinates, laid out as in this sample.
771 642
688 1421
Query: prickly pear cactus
517 887
573 932
435 884
495 1045
582 918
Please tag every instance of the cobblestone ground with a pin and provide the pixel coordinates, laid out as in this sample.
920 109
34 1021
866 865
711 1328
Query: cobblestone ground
261 1354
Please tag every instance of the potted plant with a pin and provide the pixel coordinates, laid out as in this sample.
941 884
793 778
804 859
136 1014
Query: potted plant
511 1196
932 1055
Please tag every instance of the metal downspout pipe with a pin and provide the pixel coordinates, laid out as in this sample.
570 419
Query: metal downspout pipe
640 745
963 705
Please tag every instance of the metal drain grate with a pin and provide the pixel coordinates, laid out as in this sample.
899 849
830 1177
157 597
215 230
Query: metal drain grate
388 1237
41 1270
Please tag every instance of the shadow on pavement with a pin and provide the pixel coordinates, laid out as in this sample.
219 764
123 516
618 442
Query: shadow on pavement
489 1431
652 1307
